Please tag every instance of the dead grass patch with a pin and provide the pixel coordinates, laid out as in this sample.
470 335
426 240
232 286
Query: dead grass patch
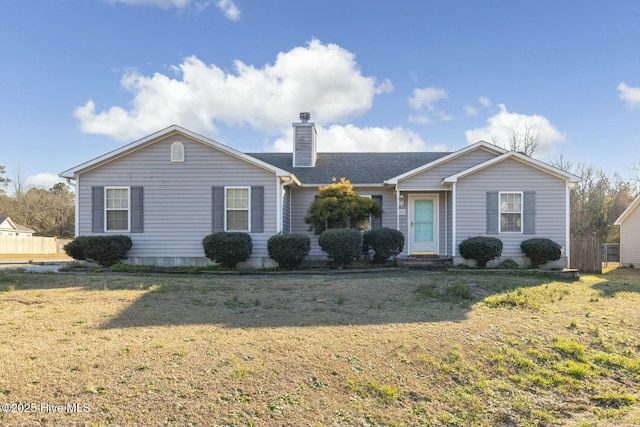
400 349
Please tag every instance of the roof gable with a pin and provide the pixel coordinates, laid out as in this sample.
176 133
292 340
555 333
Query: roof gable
627 212
158 136
476 146
570 178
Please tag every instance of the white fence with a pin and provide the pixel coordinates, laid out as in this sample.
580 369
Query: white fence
28 245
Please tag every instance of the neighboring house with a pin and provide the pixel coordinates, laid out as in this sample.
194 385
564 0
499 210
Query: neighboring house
10 228
629 223
172 188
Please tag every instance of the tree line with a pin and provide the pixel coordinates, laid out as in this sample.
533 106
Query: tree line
48 211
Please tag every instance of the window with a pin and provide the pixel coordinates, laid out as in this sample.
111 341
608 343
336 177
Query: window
117 208
237 208
177 152
510 212
365 224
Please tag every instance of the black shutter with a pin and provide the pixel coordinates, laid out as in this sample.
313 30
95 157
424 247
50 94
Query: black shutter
529 212
257 209
97 209
377 222
217 209
493 216
137 204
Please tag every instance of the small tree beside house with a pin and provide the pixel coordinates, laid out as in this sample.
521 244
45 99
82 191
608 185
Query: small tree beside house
338 206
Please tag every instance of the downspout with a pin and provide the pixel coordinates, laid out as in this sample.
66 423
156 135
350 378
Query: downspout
453 219
397 208
446 225
76 202
568 226
285 181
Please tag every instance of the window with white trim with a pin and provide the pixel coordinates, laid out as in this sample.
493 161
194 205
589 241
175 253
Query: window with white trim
511 212
177 152
116 208
237 208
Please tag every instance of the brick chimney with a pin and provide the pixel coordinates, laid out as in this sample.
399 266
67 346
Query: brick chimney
304 142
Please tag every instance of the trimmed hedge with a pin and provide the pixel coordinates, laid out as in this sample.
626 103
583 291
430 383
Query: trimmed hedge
342 245
103 250
540 251
228 248
289 250
481 249
385 242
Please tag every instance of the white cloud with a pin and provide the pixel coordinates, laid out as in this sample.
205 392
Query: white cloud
323 78
629 94
229 8
349 138
472 110
424 100
485 101
44 180
500 126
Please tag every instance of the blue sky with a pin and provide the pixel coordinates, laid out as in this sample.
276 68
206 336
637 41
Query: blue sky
82 77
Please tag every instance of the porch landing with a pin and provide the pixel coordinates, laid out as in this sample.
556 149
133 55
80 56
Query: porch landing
426 261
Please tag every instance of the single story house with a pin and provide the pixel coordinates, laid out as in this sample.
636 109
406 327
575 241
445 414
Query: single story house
629 222
10 228
172 188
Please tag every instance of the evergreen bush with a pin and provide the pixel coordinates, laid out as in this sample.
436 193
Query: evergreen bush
289 250
228 248
541 251
385 242
103 250
342 245
481 249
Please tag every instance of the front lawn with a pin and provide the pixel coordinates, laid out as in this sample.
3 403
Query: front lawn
467 349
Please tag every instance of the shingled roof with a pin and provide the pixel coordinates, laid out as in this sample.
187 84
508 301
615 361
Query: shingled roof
359 168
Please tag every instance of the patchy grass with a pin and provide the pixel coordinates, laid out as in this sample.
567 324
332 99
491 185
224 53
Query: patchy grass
457 349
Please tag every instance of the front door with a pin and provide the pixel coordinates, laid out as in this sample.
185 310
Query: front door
423 229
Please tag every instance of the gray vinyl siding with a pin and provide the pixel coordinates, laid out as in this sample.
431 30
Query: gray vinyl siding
431 178
177 196
286 210
301 199
630 239
511 175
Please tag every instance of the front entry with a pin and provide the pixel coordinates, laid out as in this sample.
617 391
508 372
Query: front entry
423 227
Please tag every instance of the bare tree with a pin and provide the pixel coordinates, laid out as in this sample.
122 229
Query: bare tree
525 140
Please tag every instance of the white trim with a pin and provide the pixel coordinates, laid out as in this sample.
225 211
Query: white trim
436 219
480 144
568 226
279 190
177 152
238 187
106 209
628 211
446 225
76 198
423 189
515 156
454 249
500 193
159 136
307 185
397 208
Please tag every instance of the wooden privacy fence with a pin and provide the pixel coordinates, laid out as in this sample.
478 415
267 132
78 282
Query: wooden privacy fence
28 245
586 254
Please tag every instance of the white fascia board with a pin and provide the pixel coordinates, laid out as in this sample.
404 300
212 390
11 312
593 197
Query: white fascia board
444 159
628 211
570 178
165 133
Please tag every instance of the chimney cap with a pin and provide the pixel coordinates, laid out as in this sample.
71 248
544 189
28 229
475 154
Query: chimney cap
305 116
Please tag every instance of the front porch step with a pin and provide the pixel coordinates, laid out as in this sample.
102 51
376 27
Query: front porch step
426 262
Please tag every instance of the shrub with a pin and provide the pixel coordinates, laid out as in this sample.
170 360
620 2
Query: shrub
103 250
342 245
480 248
385 242
508 264
289 250
541 251
228 248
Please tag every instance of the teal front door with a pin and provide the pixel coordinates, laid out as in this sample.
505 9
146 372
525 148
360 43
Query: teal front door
424 224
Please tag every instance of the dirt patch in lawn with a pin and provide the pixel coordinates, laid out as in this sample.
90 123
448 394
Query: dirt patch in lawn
400 349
